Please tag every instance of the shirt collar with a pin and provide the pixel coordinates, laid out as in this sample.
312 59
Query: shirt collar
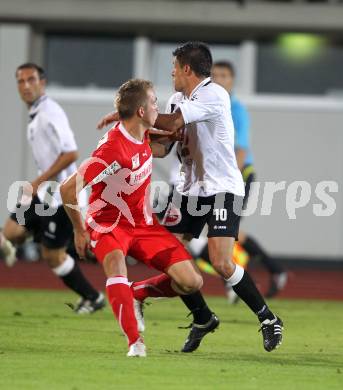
203 82
34 108
127 135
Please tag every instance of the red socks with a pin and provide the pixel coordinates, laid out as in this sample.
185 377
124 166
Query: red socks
157 286
120 297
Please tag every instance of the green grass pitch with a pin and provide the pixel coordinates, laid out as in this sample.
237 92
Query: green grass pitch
43 345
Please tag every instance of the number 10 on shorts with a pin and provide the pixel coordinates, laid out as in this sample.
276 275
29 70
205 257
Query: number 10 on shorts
220 214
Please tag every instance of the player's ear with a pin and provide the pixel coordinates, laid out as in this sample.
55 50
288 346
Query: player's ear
187 69
140 112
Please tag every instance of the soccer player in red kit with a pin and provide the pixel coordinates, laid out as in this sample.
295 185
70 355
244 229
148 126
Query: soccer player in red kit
119 221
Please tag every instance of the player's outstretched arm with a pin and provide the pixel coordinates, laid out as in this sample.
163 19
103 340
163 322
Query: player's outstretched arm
170 122
159 150
160 145
69 190
162 141
107 120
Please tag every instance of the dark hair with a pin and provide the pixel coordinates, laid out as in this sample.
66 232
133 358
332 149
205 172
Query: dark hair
131 96
31 65
197 55
226 64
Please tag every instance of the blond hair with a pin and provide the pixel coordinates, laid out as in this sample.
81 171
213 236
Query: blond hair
131 96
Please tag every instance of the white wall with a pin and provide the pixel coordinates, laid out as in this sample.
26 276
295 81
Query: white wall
298 139
13 150
293 139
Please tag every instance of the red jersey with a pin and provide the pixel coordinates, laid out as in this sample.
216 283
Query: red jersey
119 173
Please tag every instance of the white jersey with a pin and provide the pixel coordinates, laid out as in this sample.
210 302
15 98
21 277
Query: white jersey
50 135
209 163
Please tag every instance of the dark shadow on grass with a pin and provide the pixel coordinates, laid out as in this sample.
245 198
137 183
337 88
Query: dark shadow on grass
273 359
42 323
238 322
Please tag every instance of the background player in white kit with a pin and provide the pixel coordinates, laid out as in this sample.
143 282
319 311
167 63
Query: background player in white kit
223 73
55 152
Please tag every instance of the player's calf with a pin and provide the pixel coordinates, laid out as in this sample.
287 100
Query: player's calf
163 286
220 251
14 232
121 300
68 270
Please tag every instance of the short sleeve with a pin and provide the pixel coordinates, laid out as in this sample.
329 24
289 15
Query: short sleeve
168 108
62 135
101 164
205 107
173 103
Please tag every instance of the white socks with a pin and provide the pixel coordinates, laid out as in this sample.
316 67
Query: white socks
64 268
236 277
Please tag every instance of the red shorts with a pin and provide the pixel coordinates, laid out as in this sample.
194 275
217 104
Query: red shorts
153 244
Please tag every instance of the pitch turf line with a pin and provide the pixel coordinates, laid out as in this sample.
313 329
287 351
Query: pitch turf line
45 346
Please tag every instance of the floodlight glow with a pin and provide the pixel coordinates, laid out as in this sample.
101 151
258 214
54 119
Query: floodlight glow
300 46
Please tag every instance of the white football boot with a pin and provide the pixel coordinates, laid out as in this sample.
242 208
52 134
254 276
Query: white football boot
137 349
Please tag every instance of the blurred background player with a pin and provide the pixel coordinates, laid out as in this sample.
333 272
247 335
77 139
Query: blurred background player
223 73
55 152
119 222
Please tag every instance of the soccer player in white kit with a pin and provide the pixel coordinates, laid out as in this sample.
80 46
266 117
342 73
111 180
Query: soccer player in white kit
55 152
210 179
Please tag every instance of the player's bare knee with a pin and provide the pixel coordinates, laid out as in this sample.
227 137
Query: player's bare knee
52 261
198 282
218 264
193 284
53 257
219 268
224 266
114 264
14 232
